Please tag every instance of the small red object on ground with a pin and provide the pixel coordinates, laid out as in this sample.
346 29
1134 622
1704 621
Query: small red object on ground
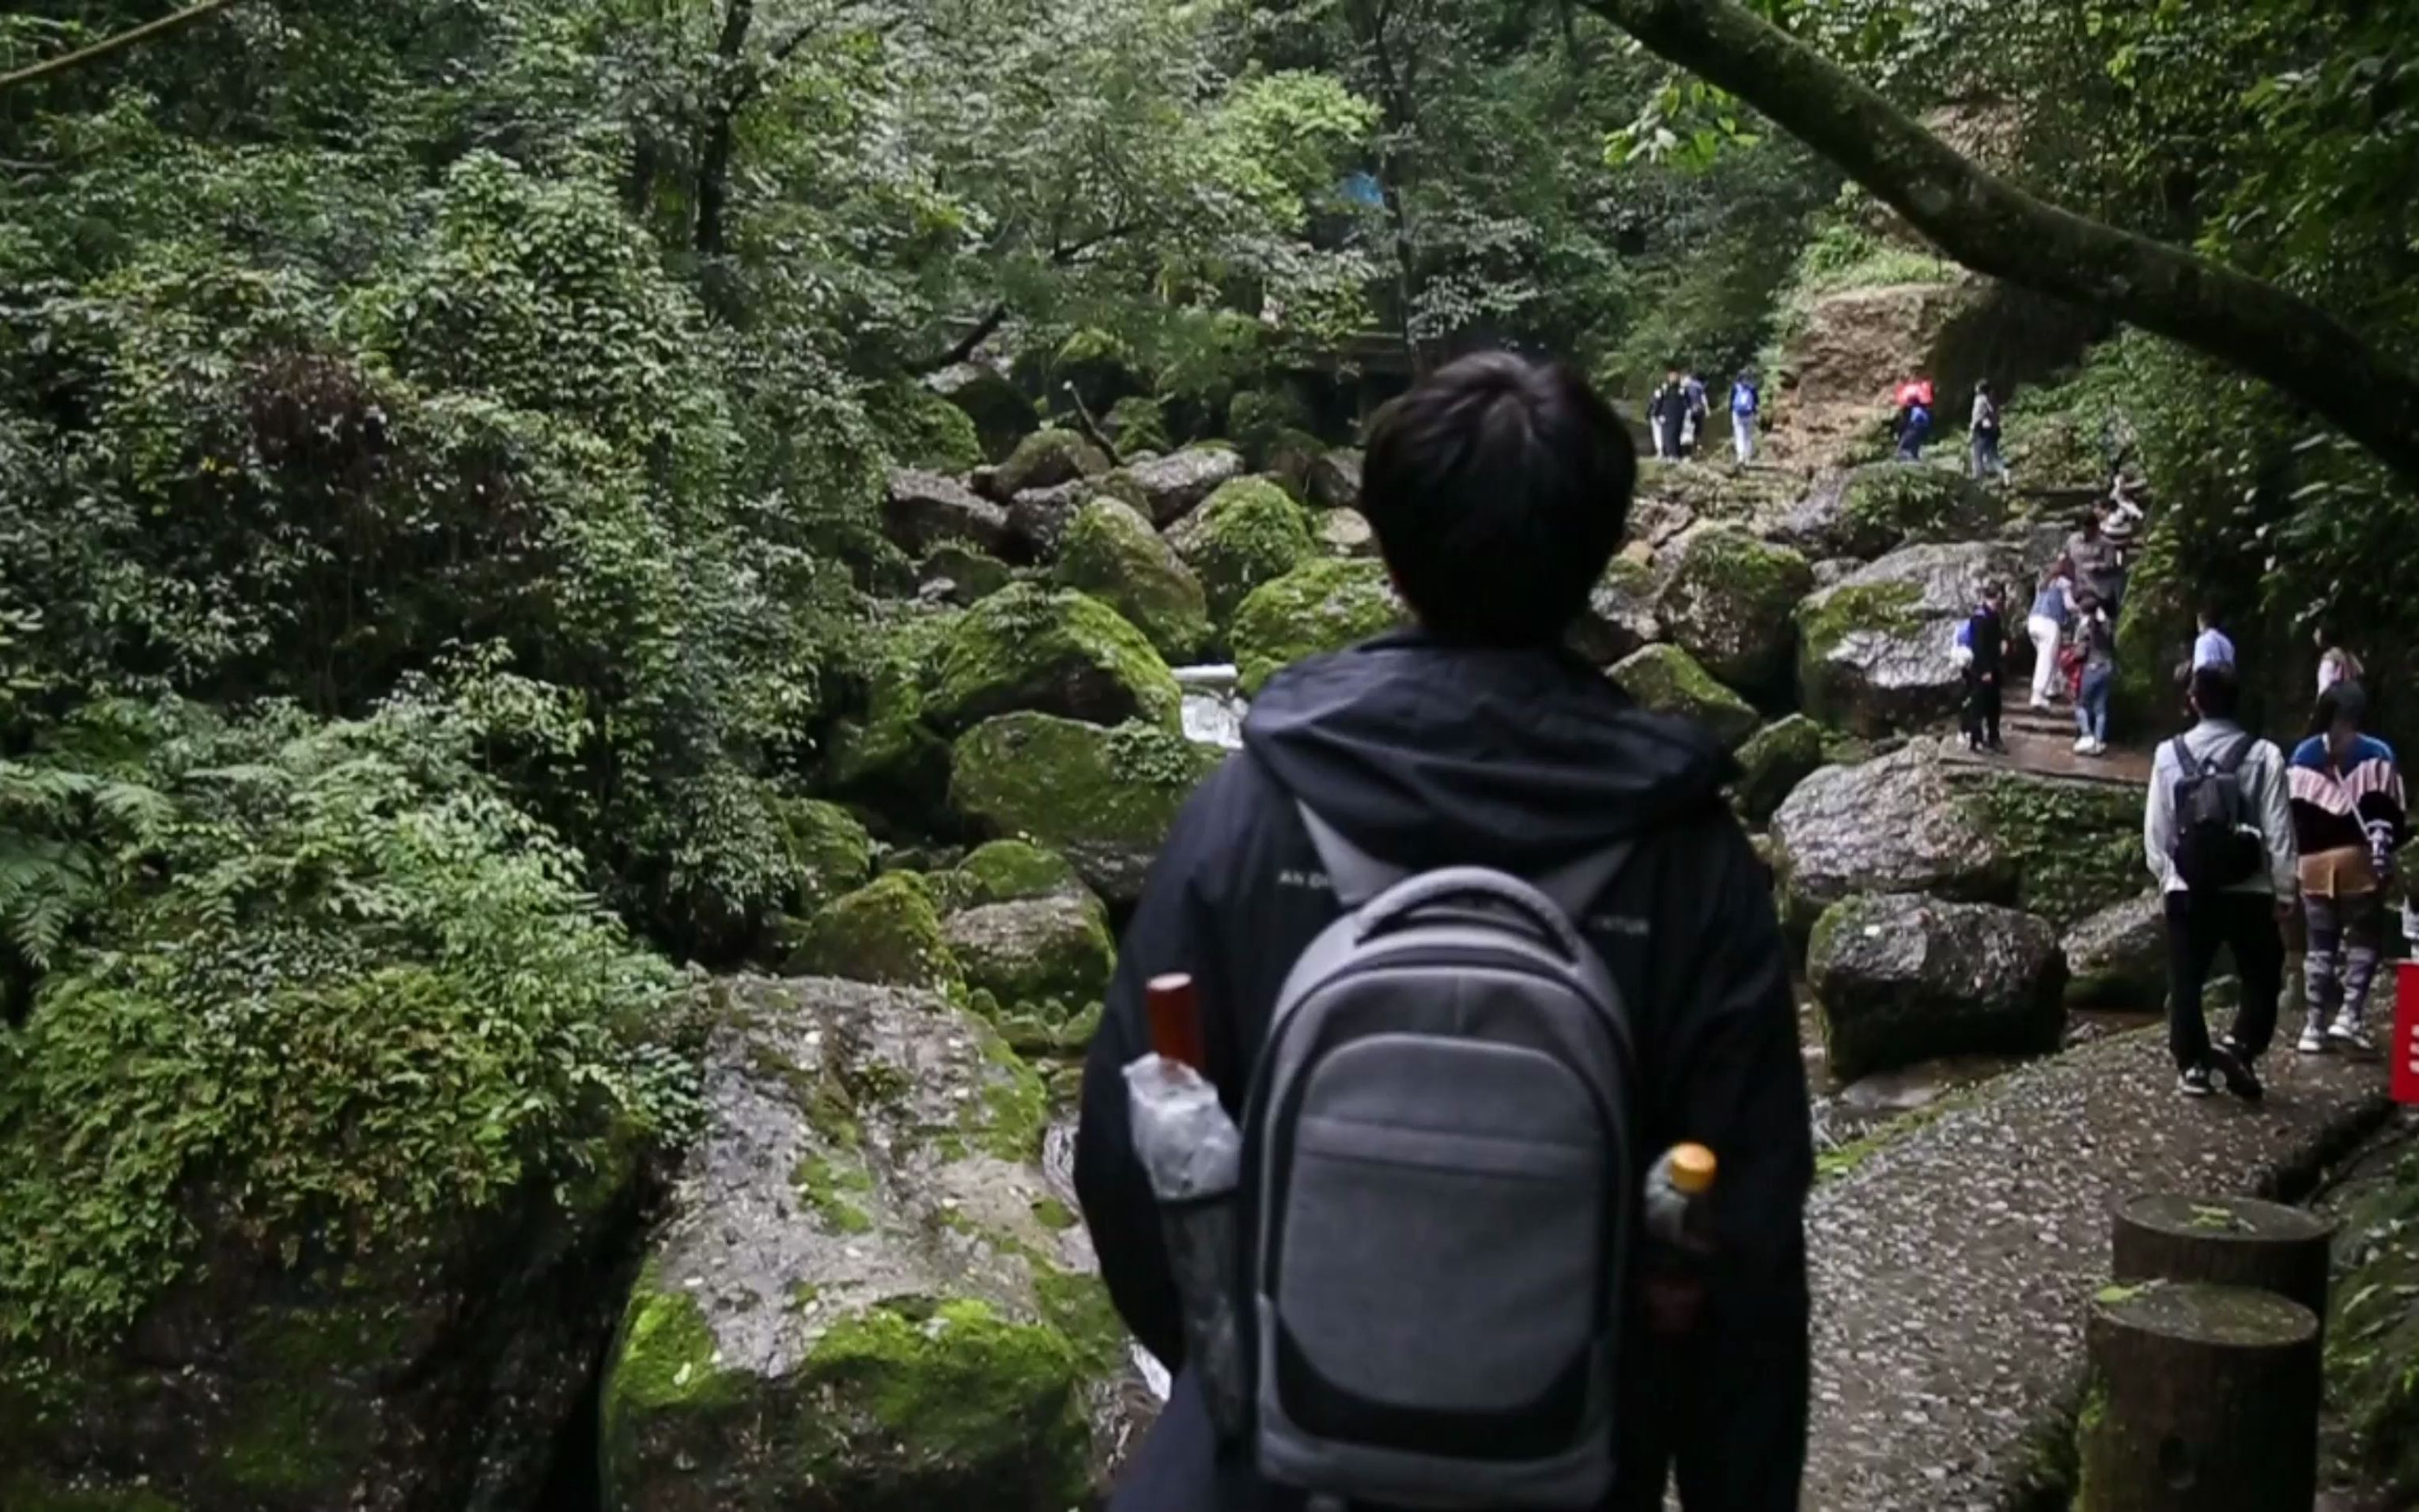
2406 1033
1175 1019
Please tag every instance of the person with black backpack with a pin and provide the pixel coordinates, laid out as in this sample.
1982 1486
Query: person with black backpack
1474 940
2219 834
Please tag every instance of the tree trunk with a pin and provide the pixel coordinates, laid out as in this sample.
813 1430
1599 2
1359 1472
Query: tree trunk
133 36
2227 1241
721 135
1993 228
2202 1400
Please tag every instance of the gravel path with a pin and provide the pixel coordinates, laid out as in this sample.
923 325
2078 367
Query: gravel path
1950 1269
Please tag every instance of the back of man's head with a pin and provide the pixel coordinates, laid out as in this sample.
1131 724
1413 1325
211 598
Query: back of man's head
1499 489
2216 693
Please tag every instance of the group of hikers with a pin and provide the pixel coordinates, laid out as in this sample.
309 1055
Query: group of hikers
1679 410
2072 626
1471 1172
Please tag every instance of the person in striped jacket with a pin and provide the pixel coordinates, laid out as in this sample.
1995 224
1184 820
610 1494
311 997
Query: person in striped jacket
2349 819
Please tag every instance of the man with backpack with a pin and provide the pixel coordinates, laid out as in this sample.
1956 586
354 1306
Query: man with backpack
2219 835
1983 638
1984 436
1747 404
1475 939
1667 415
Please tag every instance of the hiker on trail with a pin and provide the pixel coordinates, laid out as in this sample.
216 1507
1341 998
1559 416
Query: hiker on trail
2121 520
2097 569
2335 663
1667 415
2095 642
1434 1318
1914 429
1985 636
1984 436
2053 607
1746 404
1698 411
2212 647
2219 835
2349 821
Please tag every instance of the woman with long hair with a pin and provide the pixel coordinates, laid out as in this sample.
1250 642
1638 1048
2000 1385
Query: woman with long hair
2349 821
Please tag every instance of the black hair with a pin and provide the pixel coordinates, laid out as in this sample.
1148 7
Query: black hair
1498 490
2216 692
2345 702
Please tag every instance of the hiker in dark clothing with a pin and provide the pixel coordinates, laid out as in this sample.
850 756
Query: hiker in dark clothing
1498 491
1667 415
1984 636
2349 821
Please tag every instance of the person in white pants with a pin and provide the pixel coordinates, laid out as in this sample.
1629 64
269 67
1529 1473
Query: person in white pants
2052 607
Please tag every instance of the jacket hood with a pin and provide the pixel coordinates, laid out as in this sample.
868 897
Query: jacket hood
1431 754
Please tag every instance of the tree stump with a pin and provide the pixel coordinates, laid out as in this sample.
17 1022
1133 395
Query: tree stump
2203 1399
2227 1241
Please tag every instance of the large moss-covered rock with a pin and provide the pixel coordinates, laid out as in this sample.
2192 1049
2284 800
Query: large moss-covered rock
1903 979
920 429
2074 847
1139 423
1726 599
1620 616
1248 534
1313 609
960 575
1046 459
1891 826
1668 681
1001 413
923 509
1104 798
1771 765
1873 651
883 754
830 852
1051 955
887 932
1112 553
1869 511
1346 533
1260 419
1061 653
1174 485
1010 871
863 1300
2117 958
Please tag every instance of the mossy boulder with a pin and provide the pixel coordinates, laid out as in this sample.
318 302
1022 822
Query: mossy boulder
1061 653
1291 460
1099 367
1046 459
1346 533
1726 599
2075 847
1668 681
1012 871
1112 553
1257 419
921 429
882 753
1001 413
923 509
1903 979
1174 485
1870 511
887 932
1139 423
2118 957
856 1304
1619 617
1050 956
829 851
1249 533
1104 798
1895 825
1873 652
1323 607
952 573
1772 764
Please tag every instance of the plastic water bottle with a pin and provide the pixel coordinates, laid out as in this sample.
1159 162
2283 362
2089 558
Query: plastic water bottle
1676 1190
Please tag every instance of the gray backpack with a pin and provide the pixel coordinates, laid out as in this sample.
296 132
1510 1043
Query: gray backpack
1437 1183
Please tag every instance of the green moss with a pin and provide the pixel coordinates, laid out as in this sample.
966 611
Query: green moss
1054 1215
1067 784
1139 423
26 1491
1112 552
1825 622
831 1188
1005 870
1247 534
1773 762
885 754
1256 417
829 852
1060 953
886 932
1061 652
2075 848
292 1435
1047 458
1839 1161
975 575
1728 601
1891 504
1325 606
958 1391
1670 681
664 1362
1007 1118
1078 1307
920 429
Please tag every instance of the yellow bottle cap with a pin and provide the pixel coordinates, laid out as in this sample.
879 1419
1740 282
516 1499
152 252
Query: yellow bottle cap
1692 1170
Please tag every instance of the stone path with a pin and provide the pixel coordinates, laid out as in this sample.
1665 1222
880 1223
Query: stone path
1951 1269
2042 745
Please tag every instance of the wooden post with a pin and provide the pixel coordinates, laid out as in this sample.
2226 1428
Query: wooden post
2202 1400
2227 1241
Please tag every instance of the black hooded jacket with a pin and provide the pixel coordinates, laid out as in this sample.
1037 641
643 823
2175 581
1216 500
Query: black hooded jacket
1425 755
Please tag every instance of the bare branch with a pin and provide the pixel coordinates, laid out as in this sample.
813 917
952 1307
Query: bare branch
50 68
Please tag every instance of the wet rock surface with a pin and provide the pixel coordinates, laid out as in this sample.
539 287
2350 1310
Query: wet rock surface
1873 649
1175 485
1905 979
1890 826
1726 597
2117 958
921 510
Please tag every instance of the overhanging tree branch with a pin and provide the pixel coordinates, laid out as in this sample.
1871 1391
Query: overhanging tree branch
1995 228
50 68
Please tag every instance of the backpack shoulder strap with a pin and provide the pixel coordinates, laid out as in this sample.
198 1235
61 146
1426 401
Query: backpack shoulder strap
2237 754
1356 876
1576 888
